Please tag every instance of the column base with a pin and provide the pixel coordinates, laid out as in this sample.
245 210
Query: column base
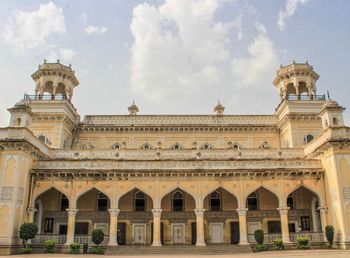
112 243
200 244
243 243
156 243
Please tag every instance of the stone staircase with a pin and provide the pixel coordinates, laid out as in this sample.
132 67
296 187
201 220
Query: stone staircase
177 249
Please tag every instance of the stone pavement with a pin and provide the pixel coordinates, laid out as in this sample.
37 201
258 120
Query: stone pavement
274 254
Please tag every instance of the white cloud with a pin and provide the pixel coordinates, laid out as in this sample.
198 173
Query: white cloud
89 30
180 49
288 11
28 30
256 70
65 55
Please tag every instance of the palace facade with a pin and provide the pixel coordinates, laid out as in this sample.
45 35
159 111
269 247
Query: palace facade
175 179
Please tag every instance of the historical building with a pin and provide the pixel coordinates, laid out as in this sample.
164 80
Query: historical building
175 179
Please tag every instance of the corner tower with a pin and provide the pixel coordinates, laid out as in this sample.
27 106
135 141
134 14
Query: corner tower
53 118
298 112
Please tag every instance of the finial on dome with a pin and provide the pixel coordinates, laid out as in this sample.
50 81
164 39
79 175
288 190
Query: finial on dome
219 109
45 61
58 61
133 109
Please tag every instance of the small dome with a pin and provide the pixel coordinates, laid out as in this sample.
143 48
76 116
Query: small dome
330 103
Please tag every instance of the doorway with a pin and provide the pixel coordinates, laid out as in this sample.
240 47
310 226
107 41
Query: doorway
234 229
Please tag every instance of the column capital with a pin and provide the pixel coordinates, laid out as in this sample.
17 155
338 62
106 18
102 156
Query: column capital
31 210
199 212
283 210
157 212
114 212
72 212
242 211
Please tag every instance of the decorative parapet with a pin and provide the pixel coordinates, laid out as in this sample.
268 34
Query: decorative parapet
184 154
169 120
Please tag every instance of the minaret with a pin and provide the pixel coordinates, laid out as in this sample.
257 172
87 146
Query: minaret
133 109
296 81
219 109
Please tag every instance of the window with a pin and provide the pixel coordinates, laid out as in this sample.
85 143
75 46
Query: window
146 146
308 138
178 201
102 202
273 227
140 201
206 146
290 201
18 121
236 146
44 139
252 202
64 204
48 225
335 121
305 223
215 201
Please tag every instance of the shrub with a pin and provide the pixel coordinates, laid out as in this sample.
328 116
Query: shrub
330 235
27 250
74 248
96 250
303 243
27 231
278 243
50 245
97 236
259 236
260 247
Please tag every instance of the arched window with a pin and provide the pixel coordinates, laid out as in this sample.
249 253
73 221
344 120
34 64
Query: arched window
335 121
308 138
236 146
206 146
140 201
64 203
176 146
253 202
178 201
215 201
44 139
116 146
146 146
291 201
102 202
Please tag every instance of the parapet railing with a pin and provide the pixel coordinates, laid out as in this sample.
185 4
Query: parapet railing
302 98
314 237
39 97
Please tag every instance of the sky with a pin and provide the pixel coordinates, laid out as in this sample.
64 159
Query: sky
174 56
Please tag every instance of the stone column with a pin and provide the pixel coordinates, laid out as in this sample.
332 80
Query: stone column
71 225
113 226
31 212
284 223
323 218
242 216
156 227
200 227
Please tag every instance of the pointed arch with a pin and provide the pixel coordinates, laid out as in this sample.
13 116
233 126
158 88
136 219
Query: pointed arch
79 194
38 194
187 200
206 146
257 189
132 194
176 146
309 188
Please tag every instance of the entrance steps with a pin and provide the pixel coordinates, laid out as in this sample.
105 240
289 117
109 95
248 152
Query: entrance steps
177 249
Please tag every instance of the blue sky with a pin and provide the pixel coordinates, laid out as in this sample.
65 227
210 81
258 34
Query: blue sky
174 56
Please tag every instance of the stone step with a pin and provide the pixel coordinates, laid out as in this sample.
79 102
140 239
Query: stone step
177 249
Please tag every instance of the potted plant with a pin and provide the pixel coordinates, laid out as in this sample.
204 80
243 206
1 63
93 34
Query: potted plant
27 231
97 238
330 235
259 238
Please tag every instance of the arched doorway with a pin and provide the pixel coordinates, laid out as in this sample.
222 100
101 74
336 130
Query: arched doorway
51 216
135 218
178 220
92 214
221 218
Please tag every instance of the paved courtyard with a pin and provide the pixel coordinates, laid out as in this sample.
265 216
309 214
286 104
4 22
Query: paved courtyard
294 253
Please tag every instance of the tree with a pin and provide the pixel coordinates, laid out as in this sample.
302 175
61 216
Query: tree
27 231
259 236
97 236
330 234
